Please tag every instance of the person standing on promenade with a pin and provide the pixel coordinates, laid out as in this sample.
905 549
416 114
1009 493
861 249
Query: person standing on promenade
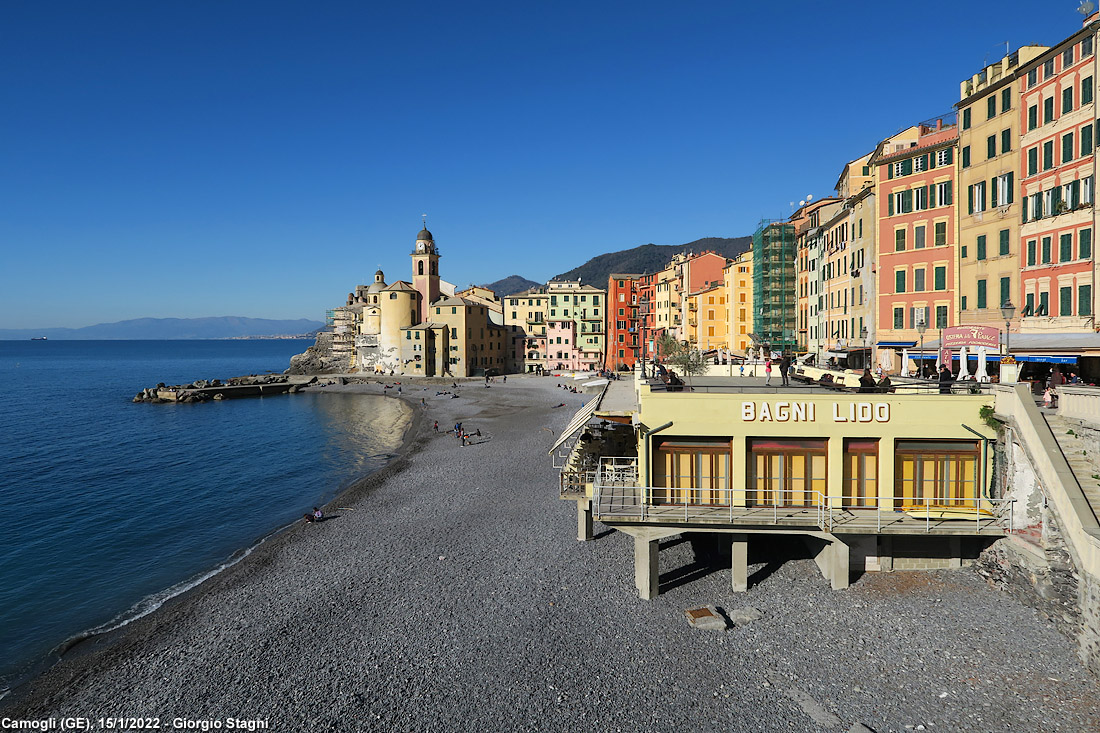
867 382
785 369
768 372
945 379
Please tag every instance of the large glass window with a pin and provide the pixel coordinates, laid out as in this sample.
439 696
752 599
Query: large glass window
786 472
935 473
691 471
860 472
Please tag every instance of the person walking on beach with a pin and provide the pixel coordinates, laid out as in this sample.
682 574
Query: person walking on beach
435 426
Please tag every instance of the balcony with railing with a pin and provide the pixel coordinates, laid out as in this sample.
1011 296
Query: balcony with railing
619 498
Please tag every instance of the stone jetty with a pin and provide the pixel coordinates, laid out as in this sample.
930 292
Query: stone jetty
216 389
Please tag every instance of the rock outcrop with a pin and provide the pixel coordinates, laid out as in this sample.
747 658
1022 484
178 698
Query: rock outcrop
318 359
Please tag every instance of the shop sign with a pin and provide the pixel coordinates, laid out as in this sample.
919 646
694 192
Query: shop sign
959 336
807 412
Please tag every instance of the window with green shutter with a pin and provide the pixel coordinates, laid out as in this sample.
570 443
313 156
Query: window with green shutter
1086 90
1065 301
1003 248
1006 141
907 201
1044 304
918 280
907 166
1084 244
966 118
1032 161
991 107
1086 140
962 303
1031 252
941 233
1067 147
899 318
1046 250
1048 155
991 146
962 252
980 254
1065 248
1006 289
1084 300
1048 110
939 278
1032 117
941 316
1067 100
981 293
966 157
1029 305
918 237
1006 99
899 281
899 240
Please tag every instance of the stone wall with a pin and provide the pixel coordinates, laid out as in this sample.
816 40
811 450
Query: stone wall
1035 563
319 358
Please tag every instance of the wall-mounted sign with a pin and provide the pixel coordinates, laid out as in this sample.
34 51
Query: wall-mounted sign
807 412
958 336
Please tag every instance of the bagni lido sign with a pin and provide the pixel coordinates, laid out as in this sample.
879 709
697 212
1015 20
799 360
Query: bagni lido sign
807 412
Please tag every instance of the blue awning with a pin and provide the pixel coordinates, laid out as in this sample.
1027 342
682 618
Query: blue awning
1047 358
898 344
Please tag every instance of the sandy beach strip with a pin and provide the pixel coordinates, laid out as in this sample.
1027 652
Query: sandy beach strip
453 595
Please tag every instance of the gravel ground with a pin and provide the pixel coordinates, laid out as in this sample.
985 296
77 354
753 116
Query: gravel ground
454 596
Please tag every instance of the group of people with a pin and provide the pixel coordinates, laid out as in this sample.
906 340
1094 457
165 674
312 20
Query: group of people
867 382
568 388
463 435
785 363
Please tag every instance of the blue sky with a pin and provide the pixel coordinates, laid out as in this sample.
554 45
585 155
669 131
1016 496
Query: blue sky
260 159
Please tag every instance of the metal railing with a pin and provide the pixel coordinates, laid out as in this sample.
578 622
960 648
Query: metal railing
617 494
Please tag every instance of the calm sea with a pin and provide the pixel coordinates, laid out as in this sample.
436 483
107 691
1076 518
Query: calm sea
111 507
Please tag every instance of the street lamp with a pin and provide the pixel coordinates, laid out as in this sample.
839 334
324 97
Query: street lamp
1008 311
863 337
921 328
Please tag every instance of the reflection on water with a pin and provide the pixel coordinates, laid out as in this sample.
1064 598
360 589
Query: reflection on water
360 431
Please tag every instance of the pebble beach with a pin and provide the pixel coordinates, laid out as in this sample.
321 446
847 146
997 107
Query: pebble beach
448 591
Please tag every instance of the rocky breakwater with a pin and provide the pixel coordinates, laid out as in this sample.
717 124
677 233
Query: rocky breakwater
203 390
320 358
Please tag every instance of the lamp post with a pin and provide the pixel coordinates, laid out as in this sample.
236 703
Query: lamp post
921 328
1008 311
863 337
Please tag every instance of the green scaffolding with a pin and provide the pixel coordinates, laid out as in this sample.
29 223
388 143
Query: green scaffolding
774 251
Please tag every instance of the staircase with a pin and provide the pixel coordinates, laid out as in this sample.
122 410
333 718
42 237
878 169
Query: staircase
1084 463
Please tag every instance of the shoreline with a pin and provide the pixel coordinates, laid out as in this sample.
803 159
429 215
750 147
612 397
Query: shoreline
99 639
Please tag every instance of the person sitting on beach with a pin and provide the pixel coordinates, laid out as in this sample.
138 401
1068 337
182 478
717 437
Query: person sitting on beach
309 518
318 515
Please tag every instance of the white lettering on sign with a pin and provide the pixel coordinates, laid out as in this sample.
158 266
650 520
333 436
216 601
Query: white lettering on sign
857 412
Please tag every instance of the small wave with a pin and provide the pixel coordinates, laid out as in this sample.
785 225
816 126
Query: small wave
151 603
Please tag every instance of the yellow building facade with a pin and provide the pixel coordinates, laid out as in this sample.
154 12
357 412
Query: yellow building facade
737 282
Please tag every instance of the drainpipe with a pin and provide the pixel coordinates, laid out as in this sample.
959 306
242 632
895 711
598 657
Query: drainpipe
645 447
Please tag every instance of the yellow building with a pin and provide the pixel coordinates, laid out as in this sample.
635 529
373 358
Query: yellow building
737 282
868 482
526 312
460 340
989 165
707 323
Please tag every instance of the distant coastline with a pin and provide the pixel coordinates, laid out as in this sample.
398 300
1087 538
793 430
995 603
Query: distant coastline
172 329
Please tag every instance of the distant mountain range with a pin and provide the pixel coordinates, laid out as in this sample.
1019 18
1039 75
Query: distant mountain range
649 258
511 285
171 329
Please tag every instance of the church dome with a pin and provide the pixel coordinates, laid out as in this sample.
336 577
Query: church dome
425 235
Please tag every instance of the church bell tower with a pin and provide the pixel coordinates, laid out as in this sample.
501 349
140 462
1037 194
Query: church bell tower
425 271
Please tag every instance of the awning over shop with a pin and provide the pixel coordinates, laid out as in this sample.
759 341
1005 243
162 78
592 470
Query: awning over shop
898 344
1047 358
579 420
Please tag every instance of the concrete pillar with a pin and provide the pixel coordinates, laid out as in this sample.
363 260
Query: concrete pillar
954 545
584 520
739 562
839 561
646 567
886 553
834 561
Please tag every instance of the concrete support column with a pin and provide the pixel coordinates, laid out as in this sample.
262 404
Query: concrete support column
834 561
886 553
954 545
646 567
584 520
839 560
739 562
